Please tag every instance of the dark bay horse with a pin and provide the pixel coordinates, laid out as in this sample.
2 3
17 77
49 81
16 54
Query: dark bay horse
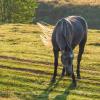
67 34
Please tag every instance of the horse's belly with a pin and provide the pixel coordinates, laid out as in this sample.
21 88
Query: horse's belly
77 39
77 34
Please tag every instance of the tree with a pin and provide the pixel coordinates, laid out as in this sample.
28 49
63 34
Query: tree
17 10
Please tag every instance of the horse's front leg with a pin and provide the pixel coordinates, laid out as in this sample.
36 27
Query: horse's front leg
73 78
56 54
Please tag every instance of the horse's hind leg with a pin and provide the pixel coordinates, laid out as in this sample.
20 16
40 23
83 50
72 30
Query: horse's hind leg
73 78
56 54
81 50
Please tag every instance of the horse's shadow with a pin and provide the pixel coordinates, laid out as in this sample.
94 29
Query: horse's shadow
65 94
45 95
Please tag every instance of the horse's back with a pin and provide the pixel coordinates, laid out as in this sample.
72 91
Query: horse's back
77 26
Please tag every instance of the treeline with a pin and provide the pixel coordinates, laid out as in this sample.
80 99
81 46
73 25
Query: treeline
12 11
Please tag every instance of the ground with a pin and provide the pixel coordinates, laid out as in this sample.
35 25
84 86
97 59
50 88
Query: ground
26 67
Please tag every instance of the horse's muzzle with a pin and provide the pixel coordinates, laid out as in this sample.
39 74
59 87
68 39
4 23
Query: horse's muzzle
68 70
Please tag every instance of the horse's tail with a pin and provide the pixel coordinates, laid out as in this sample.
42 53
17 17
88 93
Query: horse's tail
84 23
46 36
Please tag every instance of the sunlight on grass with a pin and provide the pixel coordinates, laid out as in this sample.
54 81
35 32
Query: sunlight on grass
26 67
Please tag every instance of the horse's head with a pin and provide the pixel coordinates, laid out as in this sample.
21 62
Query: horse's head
67 61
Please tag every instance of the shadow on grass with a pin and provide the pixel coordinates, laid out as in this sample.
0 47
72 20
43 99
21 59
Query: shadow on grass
42 72
65 94
94 44
26 60
24 52
45 95
26 70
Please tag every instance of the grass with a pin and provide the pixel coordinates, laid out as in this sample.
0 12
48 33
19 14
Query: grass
26 67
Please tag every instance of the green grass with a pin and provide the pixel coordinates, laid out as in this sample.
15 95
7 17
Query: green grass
26 67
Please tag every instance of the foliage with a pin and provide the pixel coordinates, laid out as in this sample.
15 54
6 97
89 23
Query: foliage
17 10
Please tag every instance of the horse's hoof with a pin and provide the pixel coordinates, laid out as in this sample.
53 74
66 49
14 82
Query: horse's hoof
62 75
78 77
74 85
53 80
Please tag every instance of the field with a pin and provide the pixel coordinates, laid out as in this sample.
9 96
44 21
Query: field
26 67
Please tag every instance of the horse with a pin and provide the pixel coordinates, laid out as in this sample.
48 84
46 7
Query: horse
67 34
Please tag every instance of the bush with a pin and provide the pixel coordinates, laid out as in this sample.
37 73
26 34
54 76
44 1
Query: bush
17 10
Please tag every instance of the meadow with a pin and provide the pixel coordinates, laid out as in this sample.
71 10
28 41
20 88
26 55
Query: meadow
26 67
